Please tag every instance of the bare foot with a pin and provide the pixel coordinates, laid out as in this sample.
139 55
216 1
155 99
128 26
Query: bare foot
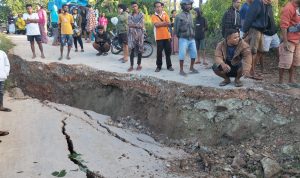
60 58
34 56
43 56
68 57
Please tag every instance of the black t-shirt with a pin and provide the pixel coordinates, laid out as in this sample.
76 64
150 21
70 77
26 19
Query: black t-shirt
200 28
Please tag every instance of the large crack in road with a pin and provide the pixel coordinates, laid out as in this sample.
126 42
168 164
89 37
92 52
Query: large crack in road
82 167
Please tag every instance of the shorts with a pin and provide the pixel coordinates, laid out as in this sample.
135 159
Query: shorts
255 40
123 38
37 38
66 40
234 68
270 42
187 45
289 58
200 44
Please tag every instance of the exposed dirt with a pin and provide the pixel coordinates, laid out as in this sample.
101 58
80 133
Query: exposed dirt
217 126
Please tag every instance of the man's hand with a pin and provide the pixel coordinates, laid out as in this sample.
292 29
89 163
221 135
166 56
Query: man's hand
226 68
287 46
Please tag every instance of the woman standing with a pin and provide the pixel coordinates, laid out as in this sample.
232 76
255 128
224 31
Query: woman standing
91 22
42 22
77 30
103 21
174 42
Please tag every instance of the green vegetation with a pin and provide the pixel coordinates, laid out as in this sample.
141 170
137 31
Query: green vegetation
5 43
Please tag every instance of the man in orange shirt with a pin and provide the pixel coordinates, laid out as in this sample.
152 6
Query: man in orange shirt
161 22
65 24
289 50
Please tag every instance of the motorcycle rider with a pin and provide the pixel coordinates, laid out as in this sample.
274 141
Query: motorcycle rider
184 29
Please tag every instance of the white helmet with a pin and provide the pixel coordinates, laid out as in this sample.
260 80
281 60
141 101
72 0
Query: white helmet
114 20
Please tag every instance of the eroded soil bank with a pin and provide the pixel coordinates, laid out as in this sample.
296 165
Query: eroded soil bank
175 110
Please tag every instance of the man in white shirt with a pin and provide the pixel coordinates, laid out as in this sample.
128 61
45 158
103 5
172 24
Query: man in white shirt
4 71
33 30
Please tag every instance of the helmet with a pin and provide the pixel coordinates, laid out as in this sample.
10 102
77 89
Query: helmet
182 2
114 20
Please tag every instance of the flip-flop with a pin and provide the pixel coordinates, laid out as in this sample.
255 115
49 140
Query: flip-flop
238 84
182 73
282 86
5 110
3 133
294 85
224 83
194 71
255 77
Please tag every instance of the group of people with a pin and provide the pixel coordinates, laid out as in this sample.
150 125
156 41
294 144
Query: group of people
172 35
250 33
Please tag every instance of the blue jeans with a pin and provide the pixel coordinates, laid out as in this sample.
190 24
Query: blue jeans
186 44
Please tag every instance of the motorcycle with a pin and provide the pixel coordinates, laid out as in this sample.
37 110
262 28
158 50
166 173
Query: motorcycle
117 48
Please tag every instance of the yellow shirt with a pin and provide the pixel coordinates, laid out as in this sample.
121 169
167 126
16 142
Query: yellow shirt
21 24
66 21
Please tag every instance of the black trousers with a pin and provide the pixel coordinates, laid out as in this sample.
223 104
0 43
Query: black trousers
166 46
79 40
1 92
132 57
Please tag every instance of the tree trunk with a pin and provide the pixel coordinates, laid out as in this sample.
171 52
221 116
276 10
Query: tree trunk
200 3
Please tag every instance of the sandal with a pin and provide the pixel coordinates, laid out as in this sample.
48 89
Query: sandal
194 71
238 84
256 77
182 73
157 70
224 83
282 86
130 69
3 133
294 85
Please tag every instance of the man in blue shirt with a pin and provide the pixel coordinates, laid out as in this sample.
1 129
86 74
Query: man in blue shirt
243 12
54 24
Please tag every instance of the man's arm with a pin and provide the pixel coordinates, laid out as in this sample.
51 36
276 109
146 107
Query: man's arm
158 23
176 27
285 18
247 60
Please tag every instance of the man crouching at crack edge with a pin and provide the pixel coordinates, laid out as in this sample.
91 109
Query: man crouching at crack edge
232 58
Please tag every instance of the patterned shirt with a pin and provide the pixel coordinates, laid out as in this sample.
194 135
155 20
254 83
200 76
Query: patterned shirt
136 35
